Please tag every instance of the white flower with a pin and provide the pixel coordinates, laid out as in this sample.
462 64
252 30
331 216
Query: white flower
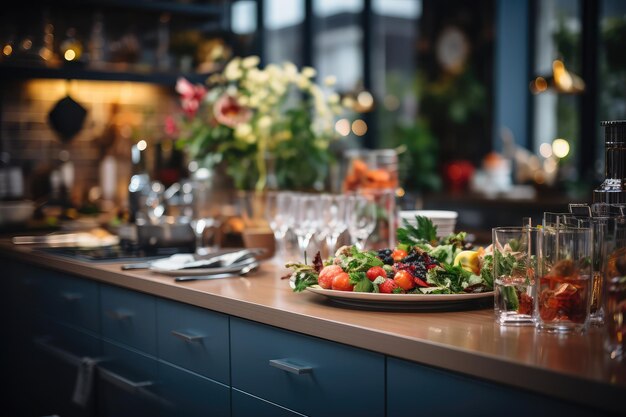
309 72
333 98
242 131
303 82
233 71
250 62
330 80
291 71
243 100
264 122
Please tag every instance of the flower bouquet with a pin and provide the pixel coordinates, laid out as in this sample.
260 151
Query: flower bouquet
270 127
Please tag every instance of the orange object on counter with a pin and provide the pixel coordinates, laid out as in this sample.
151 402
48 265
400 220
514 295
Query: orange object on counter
362 175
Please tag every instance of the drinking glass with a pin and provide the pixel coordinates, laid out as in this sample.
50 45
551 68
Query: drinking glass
361 219
565 274
515 254
277 212
200 227
206 216
333 222
614 296
306 218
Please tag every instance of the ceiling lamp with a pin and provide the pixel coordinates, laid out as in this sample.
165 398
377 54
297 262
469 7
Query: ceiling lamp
561 80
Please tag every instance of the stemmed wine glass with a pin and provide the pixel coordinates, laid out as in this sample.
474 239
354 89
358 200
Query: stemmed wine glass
306 218
199 225
333 224
277 212
361 219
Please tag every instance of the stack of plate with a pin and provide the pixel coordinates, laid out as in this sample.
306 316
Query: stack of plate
443 219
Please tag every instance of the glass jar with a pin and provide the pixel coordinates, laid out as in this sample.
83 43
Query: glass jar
372 169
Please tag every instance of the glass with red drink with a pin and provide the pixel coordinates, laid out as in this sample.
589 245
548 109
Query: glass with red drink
565 275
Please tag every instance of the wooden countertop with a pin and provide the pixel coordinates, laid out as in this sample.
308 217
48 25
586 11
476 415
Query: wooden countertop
572 367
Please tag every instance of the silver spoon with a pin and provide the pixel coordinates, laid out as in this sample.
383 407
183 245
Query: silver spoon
241 273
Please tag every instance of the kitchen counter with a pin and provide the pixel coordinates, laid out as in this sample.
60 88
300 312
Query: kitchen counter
569 367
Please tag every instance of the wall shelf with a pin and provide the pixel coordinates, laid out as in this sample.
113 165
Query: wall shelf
17 72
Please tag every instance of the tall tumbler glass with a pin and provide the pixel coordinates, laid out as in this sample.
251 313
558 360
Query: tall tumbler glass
515 255
565 274
614 297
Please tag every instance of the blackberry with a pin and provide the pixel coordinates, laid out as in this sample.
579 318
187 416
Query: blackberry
417 263
385 256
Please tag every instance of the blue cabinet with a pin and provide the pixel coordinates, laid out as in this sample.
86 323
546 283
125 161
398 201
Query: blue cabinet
195 339
187 394
246 405
416 390
72 301
127 383
305 374
129 318
161 358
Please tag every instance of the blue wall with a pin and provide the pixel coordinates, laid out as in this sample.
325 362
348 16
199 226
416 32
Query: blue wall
511 71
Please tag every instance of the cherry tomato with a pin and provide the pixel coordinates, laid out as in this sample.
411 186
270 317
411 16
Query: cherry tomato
341 282
398 254
404 279
375 272
388 286
325 278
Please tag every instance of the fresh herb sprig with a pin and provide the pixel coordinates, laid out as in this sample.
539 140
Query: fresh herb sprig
425 232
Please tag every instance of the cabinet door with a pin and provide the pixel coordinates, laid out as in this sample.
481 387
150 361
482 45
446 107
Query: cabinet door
129 318
72 301
191 395
245 405
416 390
305 374
65 360
194 338
126 383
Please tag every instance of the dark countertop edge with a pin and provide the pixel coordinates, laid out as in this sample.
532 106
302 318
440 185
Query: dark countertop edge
588 392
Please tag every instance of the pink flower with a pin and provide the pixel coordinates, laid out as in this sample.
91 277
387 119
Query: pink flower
171 127
190 96
229 112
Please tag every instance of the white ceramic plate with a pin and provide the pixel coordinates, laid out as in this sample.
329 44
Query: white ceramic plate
406 302
418 298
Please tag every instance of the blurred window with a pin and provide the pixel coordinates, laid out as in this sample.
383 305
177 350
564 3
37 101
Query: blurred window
557 114
338 42
283 21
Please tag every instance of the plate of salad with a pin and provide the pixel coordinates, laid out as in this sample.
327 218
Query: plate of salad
422 272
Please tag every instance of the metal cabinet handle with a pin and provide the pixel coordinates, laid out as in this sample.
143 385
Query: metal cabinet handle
290 366
62 354
122 382
71 296
188 337
120 314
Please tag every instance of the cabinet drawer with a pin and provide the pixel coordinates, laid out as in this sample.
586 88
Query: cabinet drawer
440 393
127 383
306 374
191 395
129 317
245 405
194 338
72 301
